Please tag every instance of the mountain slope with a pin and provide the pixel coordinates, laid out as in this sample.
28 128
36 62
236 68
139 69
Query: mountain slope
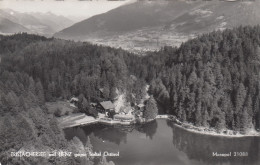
128 18
150 25
218 15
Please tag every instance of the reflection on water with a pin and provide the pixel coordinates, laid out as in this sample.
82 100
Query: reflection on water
149 129
160 142
200 147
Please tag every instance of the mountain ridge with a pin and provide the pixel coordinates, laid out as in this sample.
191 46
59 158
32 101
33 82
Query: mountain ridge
38 23
151 25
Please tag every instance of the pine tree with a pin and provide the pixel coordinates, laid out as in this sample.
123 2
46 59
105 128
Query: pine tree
113 94
221 123
85 104
205 119
106 91
104 161
198 116
151 109
240 97
31 87
88 146
245 123
192 78
40 92
183 116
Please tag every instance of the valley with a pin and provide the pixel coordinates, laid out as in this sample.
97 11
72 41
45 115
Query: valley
142 41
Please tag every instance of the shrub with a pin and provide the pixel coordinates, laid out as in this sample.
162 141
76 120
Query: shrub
57 113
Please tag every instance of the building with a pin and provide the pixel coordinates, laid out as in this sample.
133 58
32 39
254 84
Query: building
106 107
123 118
93 105
101 92
140 107
139 110
74 102
126 111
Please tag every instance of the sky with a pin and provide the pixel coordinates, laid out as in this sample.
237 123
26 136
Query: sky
73 8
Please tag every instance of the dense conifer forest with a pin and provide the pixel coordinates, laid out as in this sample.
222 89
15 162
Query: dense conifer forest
210 81
35 70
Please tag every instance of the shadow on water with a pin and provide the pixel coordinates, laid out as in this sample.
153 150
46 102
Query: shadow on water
161 142
149 129
112 134
201 147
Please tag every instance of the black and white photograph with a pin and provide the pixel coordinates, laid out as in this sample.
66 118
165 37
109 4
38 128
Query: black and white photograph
129 82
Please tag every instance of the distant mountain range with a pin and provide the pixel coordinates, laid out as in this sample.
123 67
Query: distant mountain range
38 23
9 27
151 24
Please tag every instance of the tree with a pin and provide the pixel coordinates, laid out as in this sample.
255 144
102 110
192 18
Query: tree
83 104
106 91
113 93
40 92
240 97
151 109
12 99
198 116
31 87
88 146
192 78
50 91
57 112
205 118
104 161
183 116
93 112
246 121
221 122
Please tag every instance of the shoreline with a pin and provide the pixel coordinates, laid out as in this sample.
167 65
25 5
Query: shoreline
80 119
212 132
185 126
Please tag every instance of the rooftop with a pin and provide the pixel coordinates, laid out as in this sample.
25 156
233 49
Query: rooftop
127 109
107 105
128 117
74 99
140 105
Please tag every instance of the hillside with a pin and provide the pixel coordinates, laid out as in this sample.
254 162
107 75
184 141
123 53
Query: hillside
146 25
130 17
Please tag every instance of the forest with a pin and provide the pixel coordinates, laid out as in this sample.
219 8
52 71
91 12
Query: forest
35 70
210 81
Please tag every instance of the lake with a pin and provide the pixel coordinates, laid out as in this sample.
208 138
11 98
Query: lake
160 142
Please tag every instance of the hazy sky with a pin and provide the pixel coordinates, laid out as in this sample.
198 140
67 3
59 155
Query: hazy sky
67 7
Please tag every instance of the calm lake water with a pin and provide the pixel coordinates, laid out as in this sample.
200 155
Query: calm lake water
161 143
